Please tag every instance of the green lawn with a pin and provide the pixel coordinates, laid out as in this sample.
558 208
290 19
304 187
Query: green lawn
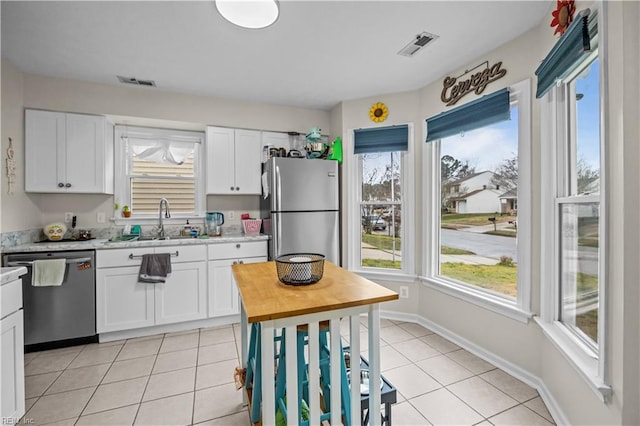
502 233
381 263
472 219
451 250
382 242
502 279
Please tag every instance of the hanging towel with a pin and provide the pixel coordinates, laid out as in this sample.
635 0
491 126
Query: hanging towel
155 268
48 272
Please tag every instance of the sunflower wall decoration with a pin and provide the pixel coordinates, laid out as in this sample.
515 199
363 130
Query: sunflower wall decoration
378 112
563 15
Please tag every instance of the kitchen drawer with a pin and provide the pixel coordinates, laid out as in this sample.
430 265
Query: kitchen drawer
237 250
120 257
11 297
186 253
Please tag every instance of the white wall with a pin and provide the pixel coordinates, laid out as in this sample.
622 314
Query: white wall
130 105
19 210
485 201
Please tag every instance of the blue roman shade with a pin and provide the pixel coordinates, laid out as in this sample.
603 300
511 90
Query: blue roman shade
574 46
481 112
382 139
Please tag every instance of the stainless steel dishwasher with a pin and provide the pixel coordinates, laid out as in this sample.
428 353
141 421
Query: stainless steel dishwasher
63 315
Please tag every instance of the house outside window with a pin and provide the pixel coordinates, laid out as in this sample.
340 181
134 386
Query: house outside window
380 181
152 164
477 240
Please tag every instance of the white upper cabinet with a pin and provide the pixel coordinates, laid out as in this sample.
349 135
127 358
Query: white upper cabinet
68 153
233 161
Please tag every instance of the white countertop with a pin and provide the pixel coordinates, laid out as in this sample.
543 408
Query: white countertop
11 274
104 244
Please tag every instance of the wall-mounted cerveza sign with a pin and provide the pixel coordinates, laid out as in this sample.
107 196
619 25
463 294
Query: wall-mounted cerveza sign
453 89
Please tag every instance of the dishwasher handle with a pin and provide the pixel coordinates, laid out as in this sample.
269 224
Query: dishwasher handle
69 262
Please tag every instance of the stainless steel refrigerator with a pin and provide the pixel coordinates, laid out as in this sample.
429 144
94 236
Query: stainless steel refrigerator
301 211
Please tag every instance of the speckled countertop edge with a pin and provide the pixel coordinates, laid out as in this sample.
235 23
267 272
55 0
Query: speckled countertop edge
11 274
103 244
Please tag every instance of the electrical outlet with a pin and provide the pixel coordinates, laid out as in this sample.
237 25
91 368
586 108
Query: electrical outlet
404 292
100 218
231 215
68 217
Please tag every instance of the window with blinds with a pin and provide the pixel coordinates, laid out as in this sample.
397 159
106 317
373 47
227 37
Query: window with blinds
151 181
156 164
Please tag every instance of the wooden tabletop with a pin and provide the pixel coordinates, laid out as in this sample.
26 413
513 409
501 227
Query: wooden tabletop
266 298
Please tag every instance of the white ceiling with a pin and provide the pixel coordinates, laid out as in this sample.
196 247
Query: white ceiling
316 55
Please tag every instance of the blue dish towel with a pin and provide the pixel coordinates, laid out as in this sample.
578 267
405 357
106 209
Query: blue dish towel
155 268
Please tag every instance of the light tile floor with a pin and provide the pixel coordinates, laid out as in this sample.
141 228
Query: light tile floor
187 378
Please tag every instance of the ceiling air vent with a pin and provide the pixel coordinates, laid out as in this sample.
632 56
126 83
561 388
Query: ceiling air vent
133 80
418 42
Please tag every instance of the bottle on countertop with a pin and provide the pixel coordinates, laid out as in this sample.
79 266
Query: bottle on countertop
186 231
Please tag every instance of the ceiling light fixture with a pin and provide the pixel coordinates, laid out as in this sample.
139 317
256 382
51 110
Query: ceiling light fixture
249 13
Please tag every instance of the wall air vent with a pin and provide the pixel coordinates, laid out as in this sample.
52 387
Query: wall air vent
135 81
418 42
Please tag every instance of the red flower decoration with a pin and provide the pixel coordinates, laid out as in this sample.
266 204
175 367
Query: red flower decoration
563 15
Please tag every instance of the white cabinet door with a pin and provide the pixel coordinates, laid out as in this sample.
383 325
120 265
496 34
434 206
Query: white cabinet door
183 297
248 162
220 161
45 133
122 302
233 161
84 159
70 153
223 291
12 384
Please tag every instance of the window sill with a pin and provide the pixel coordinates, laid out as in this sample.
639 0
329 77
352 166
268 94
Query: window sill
385 276
581 358
479 298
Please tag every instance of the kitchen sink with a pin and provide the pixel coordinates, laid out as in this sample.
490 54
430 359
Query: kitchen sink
132 238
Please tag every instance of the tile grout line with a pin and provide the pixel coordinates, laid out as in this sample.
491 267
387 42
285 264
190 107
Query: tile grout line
101 380
148 379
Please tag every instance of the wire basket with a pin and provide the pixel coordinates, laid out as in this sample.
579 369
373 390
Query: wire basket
300 268
251 226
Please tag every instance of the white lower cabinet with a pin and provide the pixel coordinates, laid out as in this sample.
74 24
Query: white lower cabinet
12 403
223 292
201 285
12 356
122 303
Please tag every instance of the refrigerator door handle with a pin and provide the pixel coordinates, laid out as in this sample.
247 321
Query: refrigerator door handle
278 237
278 189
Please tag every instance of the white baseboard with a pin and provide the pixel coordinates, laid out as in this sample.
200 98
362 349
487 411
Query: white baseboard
168 328
509 367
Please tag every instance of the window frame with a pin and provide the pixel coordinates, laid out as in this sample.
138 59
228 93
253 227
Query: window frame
122 190
557 124
353 162
520 308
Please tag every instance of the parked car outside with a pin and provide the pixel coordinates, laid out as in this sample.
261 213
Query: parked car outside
375 222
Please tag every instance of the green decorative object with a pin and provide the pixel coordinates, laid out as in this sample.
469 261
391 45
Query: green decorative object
335 151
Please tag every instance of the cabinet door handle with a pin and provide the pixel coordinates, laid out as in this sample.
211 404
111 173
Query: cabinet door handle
68 185
60 185
241 262
237 245
237 188
235 263
231 188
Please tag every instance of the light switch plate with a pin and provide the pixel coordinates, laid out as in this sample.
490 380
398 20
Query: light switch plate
100 217
68 217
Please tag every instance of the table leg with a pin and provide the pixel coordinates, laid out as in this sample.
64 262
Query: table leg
244 356
268 391
374 363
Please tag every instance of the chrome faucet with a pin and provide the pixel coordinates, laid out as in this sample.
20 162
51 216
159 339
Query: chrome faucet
167 214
